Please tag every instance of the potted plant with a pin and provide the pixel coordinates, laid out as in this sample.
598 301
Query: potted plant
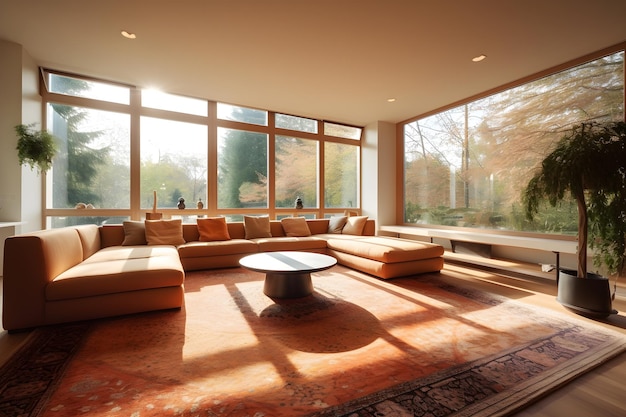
590 164
35 147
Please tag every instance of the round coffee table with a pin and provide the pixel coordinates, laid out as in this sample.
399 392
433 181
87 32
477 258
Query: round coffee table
287 274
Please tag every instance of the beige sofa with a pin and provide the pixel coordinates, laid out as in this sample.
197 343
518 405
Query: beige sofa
62 275
84 272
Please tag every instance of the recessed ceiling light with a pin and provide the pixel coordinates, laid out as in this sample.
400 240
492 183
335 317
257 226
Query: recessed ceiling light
129 35
479 58
391 100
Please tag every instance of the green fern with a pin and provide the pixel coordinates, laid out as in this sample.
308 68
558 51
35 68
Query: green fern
35 147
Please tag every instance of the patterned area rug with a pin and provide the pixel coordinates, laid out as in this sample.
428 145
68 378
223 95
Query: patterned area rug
357 347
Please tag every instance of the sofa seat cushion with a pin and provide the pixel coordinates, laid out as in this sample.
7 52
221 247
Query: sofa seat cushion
303 243
113 253
340 236
115 276
216 248
387 249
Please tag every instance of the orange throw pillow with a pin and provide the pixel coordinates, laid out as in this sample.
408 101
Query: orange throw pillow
212 229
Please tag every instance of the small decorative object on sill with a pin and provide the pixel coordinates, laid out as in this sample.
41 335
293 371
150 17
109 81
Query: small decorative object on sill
154 215
200 204
299 204
181 203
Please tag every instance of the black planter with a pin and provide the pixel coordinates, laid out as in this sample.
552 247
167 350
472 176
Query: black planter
590 297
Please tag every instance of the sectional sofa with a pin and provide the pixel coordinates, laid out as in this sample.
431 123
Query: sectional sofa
85 272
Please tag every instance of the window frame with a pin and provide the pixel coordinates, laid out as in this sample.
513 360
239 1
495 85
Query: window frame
400 137
213 123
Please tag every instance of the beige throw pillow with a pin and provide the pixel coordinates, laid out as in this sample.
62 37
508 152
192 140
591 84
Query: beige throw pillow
134 233
164 232
295 226
354 225
256 226
336 224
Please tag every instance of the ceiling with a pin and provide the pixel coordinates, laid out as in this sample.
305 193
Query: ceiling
327 59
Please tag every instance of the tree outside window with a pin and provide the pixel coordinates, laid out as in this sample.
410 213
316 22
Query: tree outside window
468 165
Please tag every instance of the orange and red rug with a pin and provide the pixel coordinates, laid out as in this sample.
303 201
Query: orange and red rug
358 346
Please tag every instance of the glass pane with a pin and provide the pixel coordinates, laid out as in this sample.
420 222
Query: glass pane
242 169
468 166
233 217
93 162
342 131
241 114
173 163
164 101
300 124
341 183
77 87
297 163
305 215
64 221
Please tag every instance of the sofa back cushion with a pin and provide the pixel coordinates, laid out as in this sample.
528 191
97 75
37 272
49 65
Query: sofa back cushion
111 235
61 249
236 230
90 239
190 232
317 226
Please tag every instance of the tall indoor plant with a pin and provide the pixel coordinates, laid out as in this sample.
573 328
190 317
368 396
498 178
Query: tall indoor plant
589 162
35 147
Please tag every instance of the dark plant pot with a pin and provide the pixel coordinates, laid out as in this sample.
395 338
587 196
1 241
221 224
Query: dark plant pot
590 297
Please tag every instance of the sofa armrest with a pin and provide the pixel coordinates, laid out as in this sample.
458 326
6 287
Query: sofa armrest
31 261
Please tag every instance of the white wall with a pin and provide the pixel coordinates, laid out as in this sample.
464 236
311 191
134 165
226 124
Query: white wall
378 172
32 186
20 189
10 115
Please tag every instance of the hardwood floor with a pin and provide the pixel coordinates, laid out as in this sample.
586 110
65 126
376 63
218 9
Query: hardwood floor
9 343
597 393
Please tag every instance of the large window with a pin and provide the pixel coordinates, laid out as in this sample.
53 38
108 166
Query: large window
341 175
92 166
121 146
173 162
297 172
242 169
468 165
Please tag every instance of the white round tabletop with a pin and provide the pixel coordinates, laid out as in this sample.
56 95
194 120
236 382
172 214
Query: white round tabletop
287 262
